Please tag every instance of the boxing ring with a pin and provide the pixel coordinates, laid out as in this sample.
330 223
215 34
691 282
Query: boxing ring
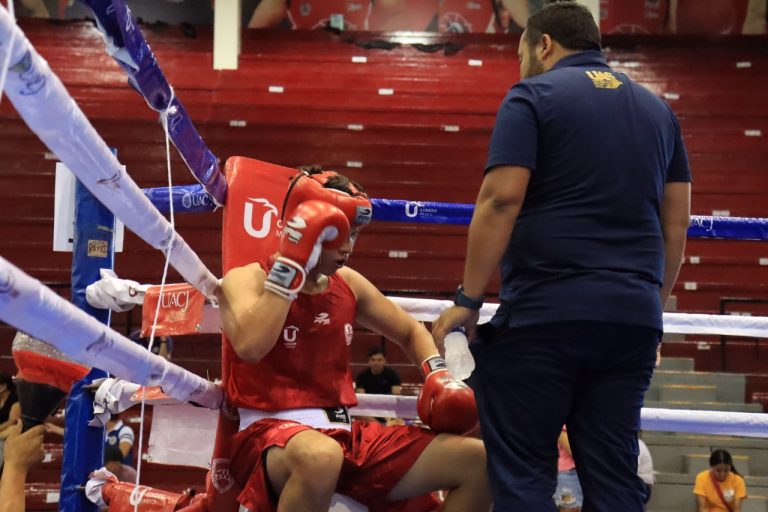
43 102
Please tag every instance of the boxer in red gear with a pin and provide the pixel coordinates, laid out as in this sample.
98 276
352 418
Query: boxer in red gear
290 379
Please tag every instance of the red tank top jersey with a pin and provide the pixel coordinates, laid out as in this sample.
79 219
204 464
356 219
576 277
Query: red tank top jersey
316 14
309 364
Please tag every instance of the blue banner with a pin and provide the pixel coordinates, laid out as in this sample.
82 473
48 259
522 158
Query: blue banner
127 46
83 445
425 212
729 228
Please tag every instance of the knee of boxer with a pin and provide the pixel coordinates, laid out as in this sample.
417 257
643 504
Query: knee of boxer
317 462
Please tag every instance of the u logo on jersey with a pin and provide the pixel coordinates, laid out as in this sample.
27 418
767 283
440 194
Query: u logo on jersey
289 336
604 79
267 210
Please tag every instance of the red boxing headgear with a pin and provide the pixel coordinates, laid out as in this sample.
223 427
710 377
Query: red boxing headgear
304 187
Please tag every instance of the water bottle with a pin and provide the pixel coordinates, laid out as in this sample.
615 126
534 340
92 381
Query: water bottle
457 355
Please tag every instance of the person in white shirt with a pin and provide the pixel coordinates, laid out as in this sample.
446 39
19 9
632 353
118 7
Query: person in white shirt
645 468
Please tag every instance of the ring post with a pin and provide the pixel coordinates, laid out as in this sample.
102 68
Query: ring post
93 249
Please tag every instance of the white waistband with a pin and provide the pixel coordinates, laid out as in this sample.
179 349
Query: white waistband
314 417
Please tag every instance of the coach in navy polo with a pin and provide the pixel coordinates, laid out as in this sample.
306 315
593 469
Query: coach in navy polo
585 205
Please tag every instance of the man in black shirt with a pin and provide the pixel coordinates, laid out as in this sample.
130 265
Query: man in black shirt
378 379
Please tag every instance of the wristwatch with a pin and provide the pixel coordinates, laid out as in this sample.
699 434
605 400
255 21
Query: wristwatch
465 301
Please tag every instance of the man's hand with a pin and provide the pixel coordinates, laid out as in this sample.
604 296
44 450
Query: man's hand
452 318
22 451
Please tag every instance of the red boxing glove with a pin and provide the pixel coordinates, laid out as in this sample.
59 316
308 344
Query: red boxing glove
445 404
312 227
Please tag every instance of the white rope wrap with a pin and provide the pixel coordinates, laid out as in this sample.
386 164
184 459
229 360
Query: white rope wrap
49 110
113 293
33 308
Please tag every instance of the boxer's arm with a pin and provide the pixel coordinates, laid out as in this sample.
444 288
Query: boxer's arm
251 319
384 317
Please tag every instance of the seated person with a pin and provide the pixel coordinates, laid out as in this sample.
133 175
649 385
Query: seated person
645 467
378 378
113 461
10 409
162 346
290 378
121 436
568 494
719 488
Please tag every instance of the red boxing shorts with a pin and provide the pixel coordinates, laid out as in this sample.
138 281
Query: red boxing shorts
375 459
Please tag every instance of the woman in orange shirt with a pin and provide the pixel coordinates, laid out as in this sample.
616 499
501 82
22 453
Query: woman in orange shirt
720 488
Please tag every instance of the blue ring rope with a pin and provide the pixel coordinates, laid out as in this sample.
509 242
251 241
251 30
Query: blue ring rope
193 199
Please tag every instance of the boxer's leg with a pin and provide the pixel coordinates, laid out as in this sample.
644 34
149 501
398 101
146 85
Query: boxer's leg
449 462
305 472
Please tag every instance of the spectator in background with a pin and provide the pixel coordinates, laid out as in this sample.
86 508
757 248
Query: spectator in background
10 410
568 496
378 378
113 461
34 9
22 452
121 436
269 13
645 468
719 488
163 345
52 428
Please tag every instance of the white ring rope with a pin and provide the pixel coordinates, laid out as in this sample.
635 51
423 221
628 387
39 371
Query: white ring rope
49 110
745 424
427 310
117 294
31 307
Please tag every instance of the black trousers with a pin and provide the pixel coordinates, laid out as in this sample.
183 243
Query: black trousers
590 376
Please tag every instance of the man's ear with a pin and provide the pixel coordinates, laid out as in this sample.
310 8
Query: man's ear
547 46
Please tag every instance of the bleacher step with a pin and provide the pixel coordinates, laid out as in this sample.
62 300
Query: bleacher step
680 364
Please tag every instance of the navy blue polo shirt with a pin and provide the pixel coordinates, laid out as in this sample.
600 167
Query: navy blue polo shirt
587 244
